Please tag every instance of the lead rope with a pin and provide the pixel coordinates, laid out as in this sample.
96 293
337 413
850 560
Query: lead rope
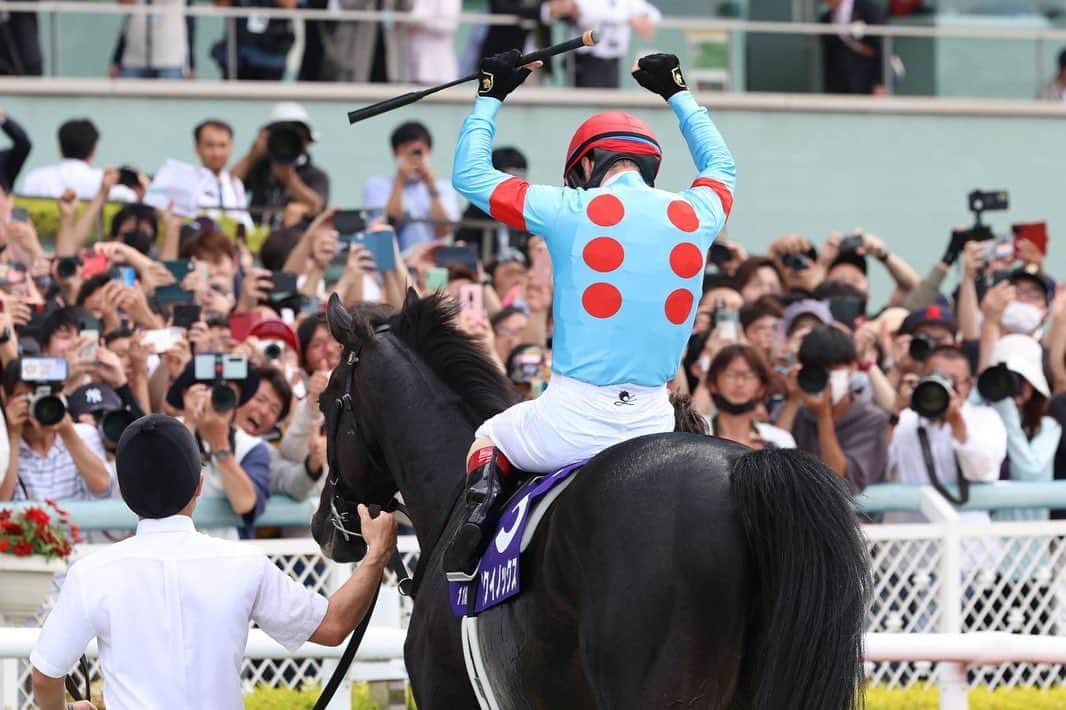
72 687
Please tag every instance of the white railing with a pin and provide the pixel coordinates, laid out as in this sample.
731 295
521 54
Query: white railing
729 27
953 603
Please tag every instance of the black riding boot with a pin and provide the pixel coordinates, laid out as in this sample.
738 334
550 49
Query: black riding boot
485 497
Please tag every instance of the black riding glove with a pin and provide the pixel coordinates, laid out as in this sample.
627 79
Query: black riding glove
500 74
660 74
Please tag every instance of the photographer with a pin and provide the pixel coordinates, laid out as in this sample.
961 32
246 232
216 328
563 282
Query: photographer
799 266
847 259
943 437
414 192
1016 388
846 431
278 172
57 458
236 465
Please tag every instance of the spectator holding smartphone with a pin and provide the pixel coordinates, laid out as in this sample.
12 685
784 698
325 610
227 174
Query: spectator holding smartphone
413 192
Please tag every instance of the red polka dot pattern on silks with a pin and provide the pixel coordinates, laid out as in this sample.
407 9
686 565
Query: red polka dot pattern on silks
601 300
603 254
682 216
605 210
679 305
686 260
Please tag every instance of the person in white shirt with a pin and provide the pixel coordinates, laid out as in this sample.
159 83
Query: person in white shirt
431 41
171 607
968 439
220 192
738 379
77 144
613 21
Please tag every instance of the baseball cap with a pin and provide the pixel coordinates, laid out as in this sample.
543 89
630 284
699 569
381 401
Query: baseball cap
930 315
806 307
276 329
1033 273
158 466
1022 354
292 112
93 398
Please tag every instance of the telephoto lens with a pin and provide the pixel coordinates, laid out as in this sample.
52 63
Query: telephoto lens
272 351
223 398
812 379
932 395
112 424
796 262
997 383
285 143
47 409
920 348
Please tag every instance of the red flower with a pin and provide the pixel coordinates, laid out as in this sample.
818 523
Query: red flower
5 544
38 516
12 528
5 514
23 549
75 533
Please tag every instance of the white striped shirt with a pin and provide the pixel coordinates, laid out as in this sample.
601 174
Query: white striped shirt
54 474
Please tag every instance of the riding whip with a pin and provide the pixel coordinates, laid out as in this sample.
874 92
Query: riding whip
586 40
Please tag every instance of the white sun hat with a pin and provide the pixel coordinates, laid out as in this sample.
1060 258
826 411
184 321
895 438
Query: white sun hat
1022 354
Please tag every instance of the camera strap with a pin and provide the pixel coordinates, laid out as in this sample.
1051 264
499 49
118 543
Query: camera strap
934 480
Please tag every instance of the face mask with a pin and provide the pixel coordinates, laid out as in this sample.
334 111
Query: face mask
724 405
839 384
1021 318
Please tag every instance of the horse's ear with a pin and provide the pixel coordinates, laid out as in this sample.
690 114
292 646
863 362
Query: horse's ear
339 320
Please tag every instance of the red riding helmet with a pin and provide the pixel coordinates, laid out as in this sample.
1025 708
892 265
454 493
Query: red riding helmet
608 138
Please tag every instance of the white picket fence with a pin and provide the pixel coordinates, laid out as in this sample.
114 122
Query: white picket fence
931 582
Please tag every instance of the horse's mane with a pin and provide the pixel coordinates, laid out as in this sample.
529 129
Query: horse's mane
429 327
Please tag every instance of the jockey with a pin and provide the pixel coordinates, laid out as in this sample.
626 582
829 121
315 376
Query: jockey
628 263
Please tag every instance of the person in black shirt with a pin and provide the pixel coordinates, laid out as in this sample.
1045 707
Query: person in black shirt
12 159
277 172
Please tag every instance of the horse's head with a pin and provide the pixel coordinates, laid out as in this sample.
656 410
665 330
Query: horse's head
357 473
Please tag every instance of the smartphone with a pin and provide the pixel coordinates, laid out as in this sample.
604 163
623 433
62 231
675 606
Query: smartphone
19 214
93 263
43 369
999 250
11 275
128 177
719 254
89 351
727 323
284 285
1035 233
349 221
125 275
850 244
179 268
310 305
166 295
240 324
185 314
161 340
379 244
436 278
465 256
209 367
472 301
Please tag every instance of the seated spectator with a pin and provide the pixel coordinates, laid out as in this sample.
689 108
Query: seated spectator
277 171
237 465
62 461
756 277
431 41
154 46
221 192
499 236
1055 89
846 431
12 159
414 192
738 381
77 145
1021 401
965 441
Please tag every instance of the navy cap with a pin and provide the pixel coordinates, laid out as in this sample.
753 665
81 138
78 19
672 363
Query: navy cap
930 315
158 465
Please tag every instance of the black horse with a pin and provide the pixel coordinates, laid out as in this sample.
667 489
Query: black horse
676 571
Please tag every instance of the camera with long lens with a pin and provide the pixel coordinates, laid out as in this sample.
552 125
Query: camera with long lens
920 347
285 143
812 379
931 397
998 383
796 262
112 424
850 244
46 376
218 369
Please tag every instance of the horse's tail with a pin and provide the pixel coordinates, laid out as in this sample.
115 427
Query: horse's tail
811 582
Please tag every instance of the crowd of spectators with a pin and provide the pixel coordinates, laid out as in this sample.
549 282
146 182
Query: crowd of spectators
143 310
